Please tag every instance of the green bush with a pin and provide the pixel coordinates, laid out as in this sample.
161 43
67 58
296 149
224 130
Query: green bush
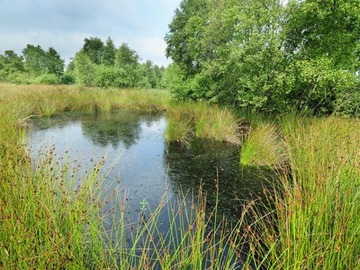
47 79
347 102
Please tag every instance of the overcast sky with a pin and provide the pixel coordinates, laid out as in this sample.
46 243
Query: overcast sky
64 24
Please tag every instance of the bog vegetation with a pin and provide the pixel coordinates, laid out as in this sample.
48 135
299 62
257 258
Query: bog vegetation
258 71
51 214
263 56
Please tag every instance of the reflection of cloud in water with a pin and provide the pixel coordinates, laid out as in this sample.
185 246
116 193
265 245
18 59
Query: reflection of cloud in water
133 142
154 128
145 165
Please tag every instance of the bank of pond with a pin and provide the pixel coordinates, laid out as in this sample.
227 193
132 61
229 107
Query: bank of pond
129 179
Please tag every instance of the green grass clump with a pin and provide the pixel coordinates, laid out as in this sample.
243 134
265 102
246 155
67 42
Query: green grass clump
216 123
263 147
316 223
201 120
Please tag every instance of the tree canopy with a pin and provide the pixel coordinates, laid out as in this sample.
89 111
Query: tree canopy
95 64
267 56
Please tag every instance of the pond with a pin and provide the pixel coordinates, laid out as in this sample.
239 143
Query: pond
141 166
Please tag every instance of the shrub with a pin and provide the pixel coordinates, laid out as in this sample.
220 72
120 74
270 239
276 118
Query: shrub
47 79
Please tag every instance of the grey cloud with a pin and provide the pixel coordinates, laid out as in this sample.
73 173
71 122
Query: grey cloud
63 24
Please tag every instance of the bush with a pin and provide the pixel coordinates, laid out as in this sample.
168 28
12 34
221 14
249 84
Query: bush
68 79
47 79
347 102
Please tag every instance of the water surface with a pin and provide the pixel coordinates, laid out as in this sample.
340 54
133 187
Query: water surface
141 166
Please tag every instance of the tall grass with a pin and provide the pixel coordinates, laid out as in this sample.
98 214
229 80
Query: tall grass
203 121
316 220
51 213
263 147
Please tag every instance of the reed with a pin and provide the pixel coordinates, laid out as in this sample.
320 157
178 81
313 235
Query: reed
315 224
263 147
51 211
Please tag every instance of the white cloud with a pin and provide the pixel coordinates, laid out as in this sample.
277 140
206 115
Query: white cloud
151 48
63 24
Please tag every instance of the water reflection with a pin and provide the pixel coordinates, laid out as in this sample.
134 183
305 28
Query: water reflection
107 129
214 167
147 167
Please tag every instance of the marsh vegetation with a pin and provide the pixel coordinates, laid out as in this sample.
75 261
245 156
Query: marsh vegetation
52 212
255 82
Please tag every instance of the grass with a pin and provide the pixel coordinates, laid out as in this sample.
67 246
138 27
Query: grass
263 147
50 214
203 121
317 212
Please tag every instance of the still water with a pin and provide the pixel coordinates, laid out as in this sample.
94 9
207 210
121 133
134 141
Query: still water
141 166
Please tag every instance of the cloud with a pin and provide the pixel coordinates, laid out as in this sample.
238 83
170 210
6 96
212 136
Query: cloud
152 48
63 24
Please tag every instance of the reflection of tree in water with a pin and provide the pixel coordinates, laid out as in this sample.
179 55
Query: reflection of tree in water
103 128
215 167
112 128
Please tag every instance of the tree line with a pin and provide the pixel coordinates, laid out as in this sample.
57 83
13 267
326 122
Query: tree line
97 63
268 56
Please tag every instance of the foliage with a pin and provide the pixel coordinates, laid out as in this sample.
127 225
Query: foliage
34 64
38 62
318 85
84 69
48 78
93 48
96 64
313 25
265 55
109 51
10 64
105 66
322 73
184 37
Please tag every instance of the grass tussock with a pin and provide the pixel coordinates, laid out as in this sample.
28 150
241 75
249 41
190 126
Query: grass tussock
51 217
316 209
263 147
203 121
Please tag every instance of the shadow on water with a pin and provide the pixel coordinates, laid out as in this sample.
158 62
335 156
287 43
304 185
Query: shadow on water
147 167
213 167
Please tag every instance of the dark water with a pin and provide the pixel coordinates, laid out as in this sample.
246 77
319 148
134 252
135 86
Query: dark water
142 167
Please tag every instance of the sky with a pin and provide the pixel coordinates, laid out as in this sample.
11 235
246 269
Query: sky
64 24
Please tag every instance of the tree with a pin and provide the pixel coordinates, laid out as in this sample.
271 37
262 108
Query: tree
10 65
126 62
85 70
35 60
324 28
185 35
255 55
94 48
109 52
228 51
54 63
322 43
